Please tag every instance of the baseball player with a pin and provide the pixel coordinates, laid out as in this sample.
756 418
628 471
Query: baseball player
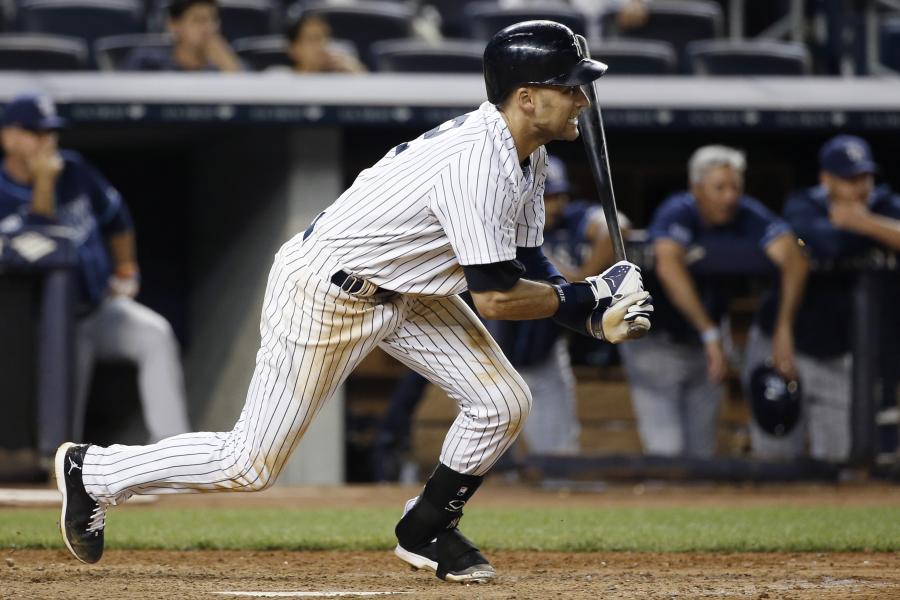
41 185
676 373
458 207
846 215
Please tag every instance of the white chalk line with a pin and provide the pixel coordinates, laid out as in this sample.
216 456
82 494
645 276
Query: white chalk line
308 594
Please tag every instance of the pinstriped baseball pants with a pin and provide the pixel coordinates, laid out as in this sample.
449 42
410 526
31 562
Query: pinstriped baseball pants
312 337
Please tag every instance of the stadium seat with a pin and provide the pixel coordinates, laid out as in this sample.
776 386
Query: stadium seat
41 52
636 57
678 22
110 52
267 51
453 16
261 52
890 43
415 56
756 57
487 18
86 19
365 23
246 18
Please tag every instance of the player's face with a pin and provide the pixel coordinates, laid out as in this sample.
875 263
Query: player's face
25 144
717 194
310 48
556 111
196 26
851 189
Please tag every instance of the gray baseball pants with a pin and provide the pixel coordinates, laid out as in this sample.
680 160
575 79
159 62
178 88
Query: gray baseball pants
676 405
825 417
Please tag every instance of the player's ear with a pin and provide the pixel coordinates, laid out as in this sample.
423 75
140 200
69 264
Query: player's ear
524 98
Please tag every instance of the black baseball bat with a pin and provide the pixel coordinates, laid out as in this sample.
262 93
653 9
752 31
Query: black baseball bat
590 122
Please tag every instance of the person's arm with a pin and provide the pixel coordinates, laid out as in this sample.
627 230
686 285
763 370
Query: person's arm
122 252
671 268
125 280
525 300
45 168
794 266
855 217
220 55
812 225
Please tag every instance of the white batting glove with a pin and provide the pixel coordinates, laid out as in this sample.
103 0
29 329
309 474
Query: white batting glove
616 282
626 319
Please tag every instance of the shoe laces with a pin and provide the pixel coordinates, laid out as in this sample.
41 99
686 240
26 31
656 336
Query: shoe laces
98 519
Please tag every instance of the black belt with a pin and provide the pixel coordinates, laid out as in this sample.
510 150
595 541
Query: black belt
354 285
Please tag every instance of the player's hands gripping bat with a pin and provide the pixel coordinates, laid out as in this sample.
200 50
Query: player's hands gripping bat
623 307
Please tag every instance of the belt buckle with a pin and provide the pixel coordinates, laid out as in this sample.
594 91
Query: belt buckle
357 286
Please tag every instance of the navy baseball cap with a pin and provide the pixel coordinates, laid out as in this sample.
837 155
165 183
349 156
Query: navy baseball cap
847 156
35 112
557 181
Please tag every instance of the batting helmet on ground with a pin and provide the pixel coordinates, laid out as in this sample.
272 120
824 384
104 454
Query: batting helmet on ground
535 53
774 401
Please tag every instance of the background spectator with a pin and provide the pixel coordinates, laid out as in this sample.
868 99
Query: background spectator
311 50
197 43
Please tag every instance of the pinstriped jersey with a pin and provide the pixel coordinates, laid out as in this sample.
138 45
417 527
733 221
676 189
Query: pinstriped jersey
456 195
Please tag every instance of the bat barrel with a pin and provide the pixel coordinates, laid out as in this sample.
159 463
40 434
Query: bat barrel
590 122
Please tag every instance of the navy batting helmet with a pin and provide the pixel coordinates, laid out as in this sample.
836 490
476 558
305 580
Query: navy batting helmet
535 53
774 401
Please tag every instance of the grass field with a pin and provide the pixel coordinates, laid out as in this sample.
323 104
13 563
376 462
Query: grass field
572 529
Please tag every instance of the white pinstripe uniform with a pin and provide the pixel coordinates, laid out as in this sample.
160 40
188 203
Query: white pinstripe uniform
456 195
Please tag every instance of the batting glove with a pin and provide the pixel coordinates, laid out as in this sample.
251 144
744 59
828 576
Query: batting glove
616 282
627 319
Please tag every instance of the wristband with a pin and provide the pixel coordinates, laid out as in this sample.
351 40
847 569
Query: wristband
710 335
575 300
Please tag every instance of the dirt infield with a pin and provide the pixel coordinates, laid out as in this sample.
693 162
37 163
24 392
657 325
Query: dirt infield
133 575
34 574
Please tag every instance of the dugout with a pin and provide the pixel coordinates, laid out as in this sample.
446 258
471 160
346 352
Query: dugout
218 171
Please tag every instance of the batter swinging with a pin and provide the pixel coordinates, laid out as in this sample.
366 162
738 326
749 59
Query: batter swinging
459 207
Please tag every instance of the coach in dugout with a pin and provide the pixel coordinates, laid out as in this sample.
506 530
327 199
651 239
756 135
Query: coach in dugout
676 373
41 185
844 216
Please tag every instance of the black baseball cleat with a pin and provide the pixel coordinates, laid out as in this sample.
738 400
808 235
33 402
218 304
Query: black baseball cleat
423 557
83 518
460 561
450 556
470 566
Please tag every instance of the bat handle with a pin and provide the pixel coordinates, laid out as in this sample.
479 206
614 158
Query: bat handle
635 331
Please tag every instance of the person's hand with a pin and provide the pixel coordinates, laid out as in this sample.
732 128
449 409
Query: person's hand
628 318
613 284
847 214
125 281
633 14
220 54
716 361
46 164
341 62
783 353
